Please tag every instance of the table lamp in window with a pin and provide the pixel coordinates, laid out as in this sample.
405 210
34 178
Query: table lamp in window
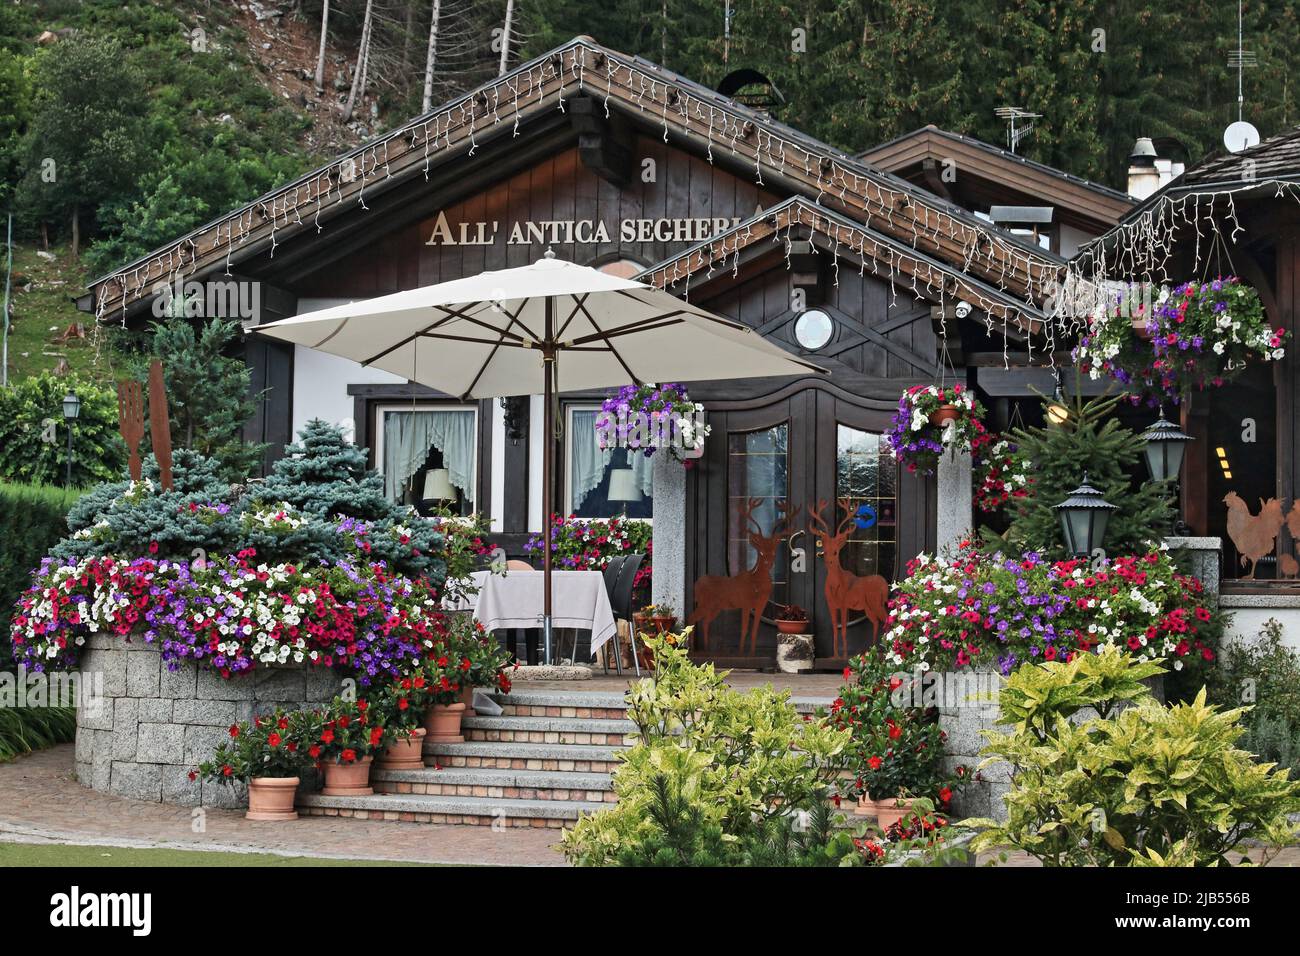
438 486
623 487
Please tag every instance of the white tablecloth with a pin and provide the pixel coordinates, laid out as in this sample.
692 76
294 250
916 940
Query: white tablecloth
514 599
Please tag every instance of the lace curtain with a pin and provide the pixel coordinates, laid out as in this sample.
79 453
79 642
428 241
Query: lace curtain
588 462
408 436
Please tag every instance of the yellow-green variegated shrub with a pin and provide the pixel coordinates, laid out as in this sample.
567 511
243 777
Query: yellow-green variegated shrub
715 775
1140 785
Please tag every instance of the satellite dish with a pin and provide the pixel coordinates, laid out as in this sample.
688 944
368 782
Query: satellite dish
1240 135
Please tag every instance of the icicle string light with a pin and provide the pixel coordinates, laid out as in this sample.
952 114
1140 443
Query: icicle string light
542 84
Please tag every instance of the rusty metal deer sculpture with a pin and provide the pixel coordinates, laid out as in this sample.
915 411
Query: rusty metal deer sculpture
846 591
745 591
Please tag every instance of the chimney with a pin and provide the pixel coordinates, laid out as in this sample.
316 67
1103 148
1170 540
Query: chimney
1144 177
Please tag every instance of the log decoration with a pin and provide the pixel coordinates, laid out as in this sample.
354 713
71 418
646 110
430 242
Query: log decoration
160 424
745 591
130 423
846 591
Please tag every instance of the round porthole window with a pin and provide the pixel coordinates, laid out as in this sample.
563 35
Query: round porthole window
813 329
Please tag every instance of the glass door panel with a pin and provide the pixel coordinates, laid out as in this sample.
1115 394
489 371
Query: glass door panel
758 473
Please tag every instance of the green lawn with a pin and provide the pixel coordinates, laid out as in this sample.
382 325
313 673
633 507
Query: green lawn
28 854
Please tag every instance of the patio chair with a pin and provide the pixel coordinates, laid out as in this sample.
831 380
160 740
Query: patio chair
610 573
622 607
613 568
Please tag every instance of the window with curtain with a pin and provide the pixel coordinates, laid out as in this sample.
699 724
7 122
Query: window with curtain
429 457
604 483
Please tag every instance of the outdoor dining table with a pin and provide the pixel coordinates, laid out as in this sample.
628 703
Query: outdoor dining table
514 600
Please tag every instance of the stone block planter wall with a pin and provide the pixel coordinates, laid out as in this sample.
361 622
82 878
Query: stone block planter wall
153 726
963 721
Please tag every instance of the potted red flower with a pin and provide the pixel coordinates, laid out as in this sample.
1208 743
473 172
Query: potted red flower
489 664
896 752
268 753
347 738
399 706
792 619
446 670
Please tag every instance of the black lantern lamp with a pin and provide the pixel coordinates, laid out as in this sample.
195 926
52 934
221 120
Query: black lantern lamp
71 409
1165 447
1083 518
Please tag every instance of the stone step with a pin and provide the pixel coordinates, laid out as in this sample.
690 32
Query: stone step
497 784
598 704
471 811
584 705
548 730
487 755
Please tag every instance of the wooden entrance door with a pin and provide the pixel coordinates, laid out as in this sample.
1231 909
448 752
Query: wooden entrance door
812 446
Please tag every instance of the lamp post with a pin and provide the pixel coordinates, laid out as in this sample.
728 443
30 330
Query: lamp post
1083 518
71 409
1165 448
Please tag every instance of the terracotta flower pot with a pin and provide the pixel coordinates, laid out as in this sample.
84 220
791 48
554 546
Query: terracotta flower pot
664 624
407 753
467 698
348 779
442 721
889 812
791 627
1139 324
271 798
943 414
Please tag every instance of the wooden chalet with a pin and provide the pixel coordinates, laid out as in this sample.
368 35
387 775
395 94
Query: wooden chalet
874 267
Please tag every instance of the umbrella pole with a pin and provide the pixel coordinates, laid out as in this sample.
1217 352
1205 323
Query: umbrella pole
548 473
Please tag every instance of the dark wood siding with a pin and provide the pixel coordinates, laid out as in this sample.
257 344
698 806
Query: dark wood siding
558 188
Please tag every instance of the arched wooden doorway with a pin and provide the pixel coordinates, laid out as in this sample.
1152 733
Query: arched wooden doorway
792 450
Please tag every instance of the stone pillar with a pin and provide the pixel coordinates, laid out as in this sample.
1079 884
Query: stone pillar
668 581
151 726
955 519
1206 557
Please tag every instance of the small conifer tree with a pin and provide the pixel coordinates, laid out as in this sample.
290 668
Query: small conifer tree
1090 441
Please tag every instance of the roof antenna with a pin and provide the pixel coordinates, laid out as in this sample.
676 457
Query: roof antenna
1016 133
1240 60
1240 135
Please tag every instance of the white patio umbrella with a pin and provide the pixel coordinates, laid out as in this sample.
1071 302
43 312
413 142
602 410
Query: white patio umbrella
544 328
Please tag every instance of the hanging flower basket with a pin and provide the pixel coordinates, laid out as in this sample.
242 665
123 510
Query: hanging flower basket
1197 336
931 420
1000 475
649 417
944 414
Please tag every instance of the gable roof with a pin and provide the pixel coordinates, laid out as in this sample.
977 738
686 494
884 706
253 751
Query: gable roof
930 277
1083 197
640 90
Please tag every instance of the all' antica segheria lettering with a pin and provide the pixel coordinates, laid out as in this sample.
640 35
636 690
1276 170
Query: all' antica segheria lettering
571 231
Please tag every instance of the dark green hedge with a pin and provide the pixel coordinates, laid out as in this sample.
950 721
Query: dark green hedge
32 519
